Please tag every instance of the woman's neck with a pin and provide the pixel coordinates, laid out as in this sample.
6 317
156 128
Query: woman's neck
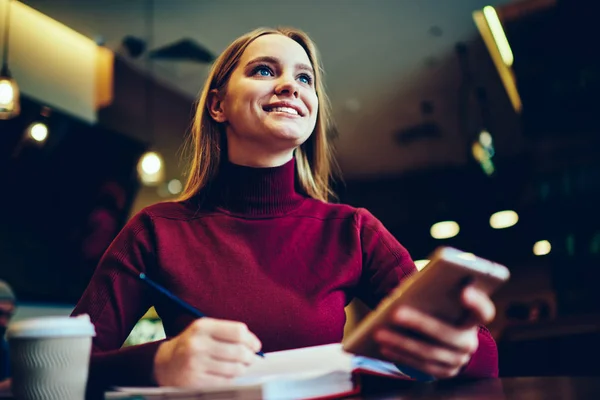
255 155
255 192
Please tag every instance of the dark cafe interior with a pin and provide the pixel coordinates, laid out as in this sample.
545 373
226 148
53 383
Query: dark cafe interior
468 123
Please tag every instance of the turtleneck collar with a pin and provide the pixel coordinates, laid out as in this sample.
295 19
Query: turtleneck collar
255 192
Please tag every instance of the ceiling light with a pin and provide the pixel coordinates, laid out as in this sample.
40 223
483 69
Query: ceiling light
485 138
503 219
498 34
38 131
494 37
541 248
9 97
174 186
444 230
10 105
150 168
151 163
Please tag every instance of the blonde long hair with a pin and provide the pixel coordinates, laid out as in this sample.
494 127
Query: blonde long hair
314 158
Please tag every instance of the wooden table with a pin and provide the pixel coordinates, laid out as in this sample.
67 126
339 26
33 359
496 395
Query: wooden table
546 388
529 388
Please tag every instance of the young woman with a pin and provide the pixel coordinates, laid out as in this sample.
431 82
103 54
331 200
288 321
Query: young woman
254 244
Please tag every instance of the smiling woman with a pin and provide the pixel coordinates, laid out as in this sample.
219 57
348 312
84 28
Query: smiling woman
269 106
259 72
254 244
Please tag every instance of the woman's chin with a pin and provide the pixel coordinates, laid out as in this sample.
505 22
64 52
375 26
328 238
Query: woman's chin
294 136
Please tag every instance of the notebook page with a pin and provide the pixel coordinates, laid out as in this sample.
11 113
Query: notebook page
300 363
320 370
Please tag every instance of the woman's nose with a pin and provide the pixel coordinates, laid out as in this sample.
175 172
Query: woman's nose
287 86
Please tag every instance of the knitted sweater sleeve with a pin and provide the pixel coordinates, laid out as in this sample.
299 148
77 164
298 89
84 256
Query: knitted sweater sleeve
115 301
386 263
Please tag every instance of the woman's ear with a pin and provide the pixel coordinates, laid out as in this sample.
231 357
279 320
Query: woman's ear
215 106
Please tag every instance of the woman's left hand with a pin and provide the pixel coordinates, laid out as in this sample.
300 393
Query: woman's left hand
429 345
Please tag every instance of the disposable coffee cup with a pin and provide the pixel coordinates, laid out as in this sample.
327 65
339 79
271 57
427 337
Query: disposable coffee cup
49 357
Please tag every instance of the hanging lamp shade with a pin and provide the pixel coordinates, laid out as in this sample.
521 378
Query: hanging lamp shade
10 105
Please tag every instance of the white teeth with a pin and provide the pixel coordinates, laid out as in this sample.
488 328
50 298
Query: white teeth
288 110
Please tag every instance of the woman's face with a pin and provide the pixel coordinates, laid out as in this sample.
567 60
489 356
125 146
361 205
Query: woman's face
270 99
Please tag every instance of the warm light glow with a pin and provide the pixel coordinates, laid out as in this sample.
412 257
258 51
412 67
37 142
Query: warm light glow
505 71
104 91
444 230
174 186
483 156
420 264
478 152
6 92
542 248
9 98
55 64
151 163
485 138
504 219
38 131
150 168
499 36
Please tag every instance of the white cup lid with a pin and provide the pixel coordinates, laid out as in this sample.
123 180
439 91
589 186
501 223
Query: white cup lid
52 327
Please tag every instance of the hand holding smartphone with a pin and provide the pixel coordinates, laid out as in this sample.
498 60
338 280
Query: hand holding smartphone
436 291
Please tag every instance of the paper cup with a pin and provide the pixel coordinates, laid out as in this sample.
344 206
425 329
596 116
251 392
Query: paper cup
50 357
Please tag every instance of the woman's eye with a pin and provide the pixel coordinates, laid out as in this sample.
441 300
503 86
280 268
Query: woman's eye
306 79
263 71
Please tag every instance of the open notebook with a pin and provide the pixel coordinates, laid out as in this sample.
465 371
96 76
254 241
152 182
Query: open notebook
307 373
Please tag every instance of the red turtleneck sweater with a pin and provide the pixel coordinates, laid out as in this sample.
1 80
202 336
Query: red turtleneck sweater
255 250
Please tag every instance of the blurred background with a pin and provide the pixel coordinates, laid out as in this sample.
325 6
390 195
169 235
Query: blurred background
469 123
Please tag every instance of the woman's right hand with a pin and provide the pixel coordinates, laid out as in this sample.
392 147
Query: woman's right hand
209 352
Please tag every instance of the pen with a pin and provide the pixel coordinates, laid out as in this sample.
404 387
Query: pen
143 277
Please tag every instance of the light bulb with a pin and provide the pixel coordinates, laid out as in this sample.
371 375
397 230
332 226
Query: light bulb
38 131
444 230
151 163
504 219
9 98
542 247
150 168
174 186
7 94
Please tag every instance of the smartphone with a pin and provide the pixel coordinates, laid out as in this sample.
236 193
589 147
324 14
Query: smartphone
435 290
